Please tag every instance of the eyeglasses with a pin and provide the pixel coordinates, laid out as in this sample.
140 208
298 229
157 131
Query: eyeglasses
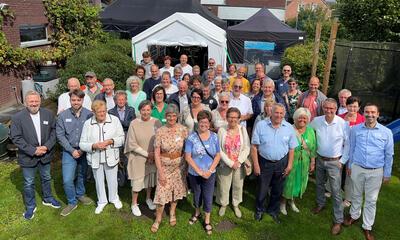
286 70
211 63
237 86
232 117
224 101
196 97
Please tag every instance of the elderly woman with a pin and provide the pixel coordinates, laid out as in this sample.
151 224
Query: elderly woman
177 75
219 114
102 152
189 113
139 148
195 82
304 160
202 152
225 84
353 117
235 149
133 93
167 85
217 87
158 97
291 97
266 113
171 167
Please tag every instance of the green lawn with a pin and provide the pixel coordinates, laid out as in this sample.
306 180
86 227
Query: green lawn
114 224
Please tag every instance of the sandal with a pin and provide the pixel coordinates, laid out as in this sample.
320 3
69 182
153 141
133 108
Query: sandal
208 228
172 220
154 227
194 219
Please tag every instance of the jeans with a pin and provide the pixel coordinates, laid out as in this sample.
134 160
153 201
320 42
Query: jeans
29 184
74 176
271 176
203 191
331 171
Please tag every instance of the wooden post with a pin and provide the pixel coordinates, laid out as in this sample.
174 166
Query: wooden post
316 49
331 50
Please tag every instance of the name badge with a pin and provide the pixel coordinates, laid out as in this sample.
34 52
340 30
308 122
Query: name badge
177 139
68 120
45 122
286 137
163 120
207 146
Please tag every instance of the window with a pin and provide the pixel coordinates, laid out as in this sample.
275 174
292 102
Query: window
33 35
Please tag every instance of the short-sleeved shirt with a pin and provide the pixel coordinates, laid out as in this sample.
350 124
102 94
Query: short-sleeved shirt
199 155
159 115
243 103
274 143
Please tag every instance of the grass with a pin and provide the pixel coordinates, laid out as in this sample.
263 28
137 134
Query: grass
114 224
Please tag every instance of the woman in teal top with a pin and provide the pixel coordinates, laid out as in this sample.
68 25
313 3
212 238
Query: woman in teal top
134 95
304 160
158 97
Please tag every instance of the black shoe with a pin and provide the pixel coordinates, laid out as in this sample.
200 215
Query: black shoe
258 216
276 219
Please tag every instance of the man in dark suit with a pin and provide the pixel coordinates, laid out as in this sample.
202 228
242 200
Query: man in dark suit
180 98
33 132
108 94
122 111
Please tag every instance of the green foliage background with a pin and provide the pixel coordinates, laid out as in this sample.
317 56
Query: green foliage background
108 60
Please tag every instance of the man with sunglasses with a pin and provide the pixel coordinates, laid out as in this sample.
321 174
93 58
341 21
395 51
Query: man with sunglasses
240 101
282 85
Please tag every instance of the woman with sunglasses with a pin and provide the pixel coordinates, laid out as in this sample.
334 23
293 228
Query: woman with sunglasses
189 114
291 97
219 114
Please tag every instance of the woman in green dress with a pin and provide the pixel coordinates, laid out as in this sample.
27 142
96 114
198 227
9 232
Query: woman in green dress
304 160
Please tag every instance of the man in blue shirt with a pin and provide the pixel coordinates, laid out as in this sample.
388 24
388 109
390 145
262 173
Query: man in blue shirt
272 151
370 164
68 129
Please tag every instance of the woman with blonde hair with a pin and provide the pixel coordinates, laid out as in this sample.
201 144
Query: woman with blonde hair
133 93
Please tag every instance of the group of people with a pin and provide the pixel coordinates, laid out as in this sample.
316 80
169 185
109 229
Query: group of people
181 132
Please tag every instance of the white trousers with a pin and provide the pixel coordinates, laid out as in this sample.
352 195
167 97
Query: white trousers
112 183
227 177
368 182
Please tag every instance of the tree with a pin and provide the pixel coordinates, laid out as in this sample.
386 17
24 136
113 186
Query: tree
371 20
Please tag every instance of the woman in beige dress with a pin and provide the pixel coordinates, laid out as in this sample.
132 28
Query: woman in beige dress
171 167
139 149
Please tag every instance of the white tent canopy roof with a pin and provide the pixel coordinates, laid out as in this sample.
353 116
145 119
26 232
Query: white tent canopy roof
183 29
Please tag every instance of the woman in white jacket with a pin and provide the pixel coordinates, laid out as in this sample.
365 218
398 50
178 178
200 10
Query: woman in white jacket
102 135
235 148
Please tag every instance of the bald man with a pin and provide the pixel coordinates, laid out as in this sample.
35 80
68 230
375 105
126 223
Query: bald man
312 98
64 99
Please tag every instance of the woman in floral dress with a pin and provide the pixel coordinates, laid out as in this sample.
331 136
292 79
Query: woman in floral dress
171 167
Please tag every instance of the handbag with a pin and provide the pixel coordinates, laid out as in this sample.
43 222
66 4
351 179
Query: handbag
248 166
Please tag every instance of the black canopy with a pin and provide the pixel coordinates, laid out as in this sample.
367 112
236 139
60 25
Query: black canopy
261 27
135 16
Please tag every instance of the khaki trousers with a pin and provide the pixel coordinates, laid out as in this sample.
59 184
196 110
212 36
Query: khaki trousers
227 177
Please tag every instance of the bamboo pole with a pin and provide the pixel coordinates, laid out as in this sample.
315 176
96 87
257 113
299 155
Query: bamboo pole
316 49
331 50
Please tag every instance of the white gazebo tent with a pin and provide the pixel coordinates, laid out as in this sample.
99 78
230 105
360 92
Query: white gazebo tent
183 29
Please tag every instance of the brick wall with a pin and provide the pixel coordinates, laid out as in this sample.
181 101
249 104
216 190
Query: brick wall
256 3
292 7
25 12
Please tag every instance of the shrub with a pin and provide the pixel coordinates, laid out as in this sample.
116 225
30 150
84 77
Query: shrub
108 60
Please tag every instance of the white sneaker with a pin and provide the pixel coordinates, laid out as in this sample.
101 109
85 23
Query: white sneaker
100 208
328 194
150 204
293 207
283 209
135 210
118 204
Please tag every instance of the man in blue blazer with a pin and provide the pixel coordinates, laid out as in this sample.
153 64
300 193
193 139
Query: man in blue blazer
122 111
33 132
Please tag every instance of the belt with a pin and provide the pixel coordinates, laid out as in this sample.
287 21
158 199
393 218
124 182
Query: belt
172 155
268 160
329 158
366 168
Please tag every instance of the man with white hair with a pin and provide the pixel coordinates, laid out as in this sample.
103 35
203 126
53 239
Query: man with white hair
64 99
272 151
241 101
180 98
33 132
343 95
108 94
